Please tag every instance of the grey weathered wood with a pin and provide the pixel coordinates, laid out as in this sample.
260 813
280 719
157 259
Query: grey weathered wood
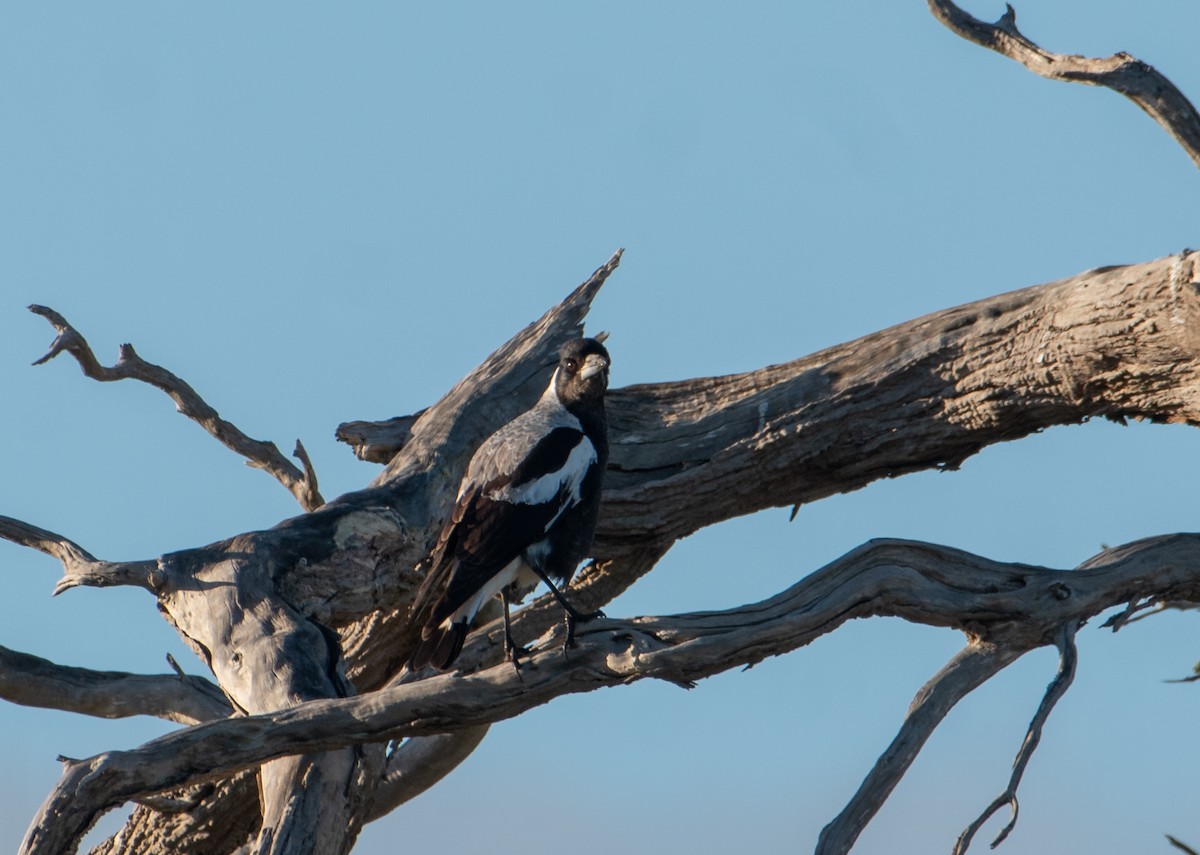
1140 83
226 816
972 666
419 763
1016 606
1115 342
36 682
130 366
347 560
1068 657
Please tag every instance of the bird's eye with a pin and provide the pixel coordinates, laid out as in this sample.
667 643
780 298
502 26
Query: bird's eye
572 365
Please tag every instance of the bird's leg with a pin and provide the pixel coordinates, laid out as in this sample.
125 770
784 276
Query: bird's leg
574 616
569 642
511 649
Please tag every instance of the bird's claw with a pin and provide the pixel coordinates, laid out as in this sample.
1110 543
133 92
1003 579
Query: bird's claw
576 618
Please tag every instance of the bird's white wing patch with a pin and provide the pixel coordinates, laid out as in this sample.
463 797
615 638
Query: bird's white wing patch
503 451
543 490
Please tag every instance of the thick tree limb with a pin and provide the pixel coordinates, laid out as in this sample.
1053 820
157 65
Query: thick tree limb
1137 81
503 386
226 817
1118 342
259 454
1021 605
1115 342
363 545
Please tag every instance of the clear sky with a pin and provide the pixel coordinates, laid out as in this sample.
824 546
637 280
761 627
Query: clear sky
316 213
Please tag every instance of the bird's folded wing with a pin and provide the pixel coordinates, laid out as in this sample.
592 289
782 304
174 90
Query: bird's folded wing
495 520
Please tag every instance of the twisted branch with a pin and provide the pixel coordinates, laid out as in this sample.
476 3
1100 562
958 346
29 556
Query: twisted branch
80 566
1140 83
258 454
688 454
919 582
1068 657
970 668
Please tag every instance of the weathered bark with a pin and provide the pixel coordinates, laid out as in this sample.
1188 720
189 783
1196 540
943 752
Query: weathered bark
1140 83
259 454
1116 342
259 607
224 816
36 682
254 607
970 668
1015 607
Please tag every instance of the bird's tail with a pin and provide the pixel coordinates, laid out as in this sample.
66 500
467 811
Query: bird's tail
439 646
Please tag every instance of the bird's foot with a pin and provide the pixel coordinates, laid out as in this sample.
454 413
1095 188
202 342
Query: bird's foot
513 652
514 656
575 618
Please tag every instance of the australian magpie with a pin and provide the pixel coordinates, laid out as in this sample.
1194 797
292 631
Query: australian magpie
526 510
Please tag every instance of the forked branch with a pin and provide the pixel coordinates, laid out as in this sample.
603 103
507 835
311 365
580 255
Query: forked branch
259 454
1067 657
971 667
80 567
1021 605
1140 83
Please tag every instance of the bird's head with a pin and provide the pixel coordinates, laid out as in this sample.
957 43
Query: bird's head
582 375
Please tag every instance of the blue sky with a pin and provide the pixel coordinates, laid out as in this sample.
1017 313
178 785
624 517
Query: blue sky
316 214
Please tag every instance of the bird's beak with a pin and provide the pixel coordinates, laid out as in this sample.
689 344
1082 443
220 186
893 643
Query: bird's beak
593 363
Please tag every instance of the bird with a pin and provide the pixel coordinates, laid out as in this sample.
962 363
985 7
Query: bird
526 511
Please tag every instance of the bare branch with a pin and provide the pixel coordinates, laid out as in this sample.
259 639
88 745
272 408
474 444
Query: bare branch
259 454
80 566
1181 846
377 442
419 763
919 582
971 667
1068 656
381 441
1115 342
36 682
312 495
1137 81
350 560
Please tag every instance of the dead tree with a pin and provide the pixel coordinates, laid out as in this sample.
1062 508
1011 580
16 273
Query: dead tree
303 625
